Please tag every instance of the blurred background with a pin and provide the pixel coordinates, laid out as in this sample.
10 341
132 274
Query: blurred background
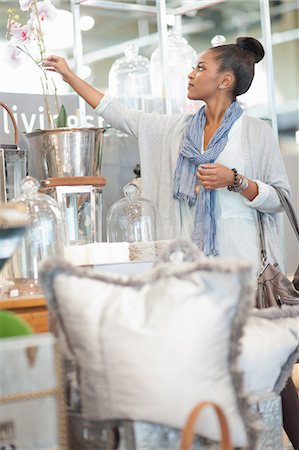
108 26
106 30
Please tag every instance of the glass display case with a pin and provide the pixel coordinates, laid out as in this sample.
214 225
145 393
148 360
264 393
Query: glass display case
132 218
181 58
43 238
129 80
186 18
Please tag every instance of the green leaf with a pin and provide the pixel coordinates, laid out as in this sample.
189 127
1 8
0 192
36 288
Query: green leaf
13 325
61 121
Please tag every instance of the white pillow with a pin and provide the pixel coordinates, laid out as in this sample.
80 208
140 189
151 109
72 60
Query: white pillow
269 349
150 347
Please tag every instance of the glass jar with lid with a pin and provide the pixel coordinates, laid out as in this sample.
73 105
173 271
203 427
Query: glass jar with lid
129 80
131 219
180 59
43 238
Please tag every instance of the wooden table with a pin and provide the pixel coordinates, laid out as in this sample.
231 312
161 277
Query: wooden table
32 309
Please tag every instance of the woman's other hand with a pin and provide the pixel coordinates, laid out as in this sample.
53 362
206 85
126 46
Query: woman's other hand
215 176
57 64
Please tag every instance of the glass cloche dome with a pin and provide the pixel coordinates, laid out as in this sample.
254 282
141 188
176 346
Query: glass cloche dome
42 239
181 58
131 219
129 80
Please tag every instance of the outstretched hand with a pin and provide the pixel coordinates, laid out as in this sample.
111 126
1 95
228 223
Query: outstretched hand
57 64
215 176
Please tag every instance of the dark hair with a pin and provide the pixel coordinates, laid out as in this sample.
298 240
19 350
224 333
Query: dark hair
240 59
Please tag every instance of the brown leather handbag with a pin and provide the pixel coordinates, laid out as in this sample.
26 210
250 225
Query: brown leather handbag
274 288
188 431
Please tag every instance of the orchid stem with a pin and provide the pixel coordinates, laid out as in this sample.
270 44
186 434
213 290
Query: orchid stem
56 97
34 32
47 106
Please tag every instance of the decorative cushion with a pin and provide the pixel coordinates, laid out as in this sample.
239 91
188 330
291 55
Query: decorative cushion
151 346
269 349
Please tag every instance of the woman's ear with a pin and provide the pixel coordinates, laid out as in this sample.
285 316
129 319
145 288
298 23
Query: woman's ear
228 80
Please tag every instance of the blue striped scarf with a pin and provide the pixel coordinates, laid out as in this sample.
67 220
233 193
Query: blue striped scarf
186 180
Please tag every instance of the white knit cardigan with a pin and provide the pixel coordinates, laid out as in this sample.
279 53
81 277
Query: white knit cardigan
159 137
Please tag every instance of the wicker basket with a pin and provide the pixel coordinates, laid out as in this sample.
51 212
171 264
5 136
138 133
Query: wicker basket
146 251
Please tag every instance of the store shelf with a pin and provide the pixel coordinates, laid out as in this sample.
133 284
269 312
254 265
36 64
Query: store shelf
161 9
32 309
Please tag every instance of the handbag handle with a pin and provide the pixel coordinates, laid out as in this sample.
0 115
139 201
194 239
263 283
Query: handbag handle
291 216
289 211
262 239
188 431
13 121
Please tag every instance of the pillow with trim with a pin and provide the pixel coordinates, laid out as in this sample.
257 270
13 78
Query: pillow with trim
151 346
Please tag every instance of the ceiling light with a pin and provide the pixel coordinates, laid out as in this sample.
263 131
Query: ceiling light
86 23
85 72
170 20
59 32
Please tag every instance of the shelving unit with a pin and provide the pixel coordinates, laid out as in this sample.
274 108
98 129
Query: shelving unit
161 11
32 309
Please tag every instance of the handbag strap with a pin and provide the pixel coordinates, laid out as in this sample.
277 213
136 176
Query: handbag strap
188 431
262 239
291 216
289 210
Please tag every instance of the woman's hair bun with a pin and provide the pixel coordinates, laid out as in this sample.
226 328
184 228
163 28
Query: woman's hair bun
253 46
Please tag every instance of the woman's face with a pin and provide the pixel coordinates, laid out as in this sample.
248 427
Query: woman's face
204 80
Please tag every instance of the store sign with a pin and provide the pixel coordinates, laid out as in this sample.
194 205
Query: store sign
29 113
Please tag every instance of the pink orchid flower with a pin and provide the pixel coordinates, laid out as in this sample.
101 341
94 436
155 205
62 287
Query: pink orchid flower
26 31
25 4
46 10
12 56
22 34
12 26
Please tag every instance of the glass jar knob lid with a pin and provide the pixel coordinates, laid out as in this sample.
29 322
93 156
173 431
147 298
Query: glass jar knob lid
29 185
131 191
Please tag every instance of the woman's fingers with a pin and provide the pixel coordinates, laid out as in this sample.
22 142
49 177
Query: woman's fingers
57 64
51 69
209 166
206 176
212 175
52 58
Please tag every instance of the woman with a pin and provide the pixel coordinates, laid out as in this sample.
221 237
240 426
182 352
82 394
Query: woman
215 217
209 173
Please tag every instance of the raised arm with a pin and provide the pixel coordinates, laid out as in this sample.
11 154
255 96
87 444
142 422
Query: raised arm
58 64
114 112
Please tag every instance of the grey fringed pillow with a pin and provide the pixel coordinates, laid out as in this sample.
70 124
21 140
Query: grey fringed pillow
151 346
269 349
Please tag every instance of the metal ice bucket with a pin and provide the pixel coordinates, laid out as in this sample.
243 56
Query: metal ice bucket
64 152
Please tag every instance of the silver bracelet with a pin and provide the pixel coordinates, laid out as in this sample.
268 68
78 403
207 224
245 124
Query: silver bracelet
243 184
